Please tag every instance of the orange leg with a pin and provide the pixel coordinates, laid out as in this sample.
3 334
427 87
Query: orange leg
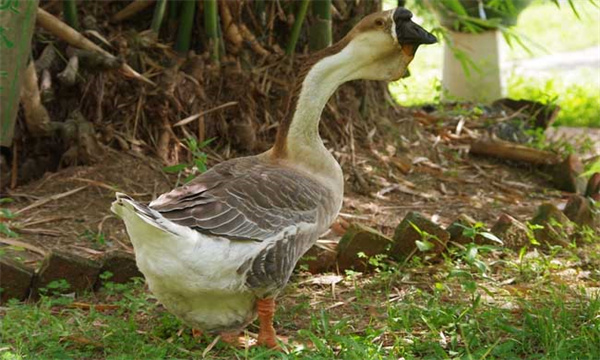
266 332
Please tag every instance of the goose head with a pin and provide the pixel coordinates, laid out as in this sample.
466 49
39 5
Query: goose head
382 44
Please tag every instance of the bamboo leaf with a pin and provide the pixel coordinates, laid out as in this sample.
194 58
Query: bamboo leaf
424 245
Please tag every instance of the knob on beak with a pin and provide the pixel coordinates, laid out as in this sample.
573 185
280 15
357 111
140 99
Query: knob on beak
408 32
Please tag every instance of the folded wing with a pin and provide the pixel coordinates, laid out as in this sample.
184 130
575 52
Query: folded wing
244 199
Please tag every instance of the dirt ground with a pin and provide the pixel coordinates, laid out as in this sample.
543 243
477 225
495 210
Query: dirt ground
70 209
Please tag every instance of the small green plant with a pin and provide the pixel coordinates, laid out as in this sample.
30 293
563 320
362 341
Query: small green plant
5 216
478 229
427 241
196 165
97 239
55 287
379 262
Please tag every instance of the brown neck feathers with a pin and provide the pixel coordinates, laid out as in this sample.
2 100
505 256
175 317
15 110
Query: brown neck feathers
280 146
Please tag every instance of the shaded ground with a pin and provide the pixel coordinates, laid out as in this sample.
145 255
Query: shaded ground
423 173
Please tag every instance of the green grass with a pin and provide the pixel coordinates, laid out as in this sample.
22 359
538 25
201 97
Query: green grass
509 307
580 102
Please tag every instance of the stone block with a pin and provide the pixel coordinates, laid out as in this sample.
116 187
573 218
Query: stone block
406 236
15 280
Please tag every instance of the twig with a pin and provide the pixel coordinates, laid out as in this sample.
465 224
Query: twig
101 224
97 307
46 232
189 119
45 200
13 242
95 183
45 220
131 9
74 38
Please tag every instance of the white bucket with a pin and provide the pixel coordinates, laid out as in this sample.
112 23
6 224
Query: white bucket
483 81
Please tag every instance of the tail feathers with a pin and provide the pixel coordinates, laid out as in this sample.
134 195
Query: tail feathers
125 204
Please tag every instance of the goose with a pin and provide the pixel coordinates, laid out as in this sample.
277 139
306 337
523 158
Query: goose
217 251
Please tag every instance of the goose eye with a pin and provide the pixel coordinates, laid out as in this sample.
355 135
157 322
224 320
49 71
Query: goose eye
379 22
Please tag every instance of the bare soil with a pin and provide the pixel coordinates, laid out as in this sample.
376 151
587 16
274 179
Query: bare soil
442 183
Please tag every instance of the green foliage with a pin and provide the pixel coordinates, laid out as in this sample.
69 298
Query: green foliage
579 102
478 229
97 239
55 287
198 163
591 168
5 216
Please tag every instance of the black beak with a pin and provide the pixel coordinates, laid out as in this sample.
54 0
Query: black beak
409 32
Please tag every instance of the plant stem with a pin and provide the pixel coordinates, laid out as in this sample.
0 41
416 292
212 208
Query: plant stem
70 11
297 27
260 8
211 27
159 13
173 10
320 32
186 20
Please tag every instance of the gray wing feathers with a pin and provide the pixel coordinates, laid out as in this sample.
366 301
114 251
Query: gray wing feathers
244 199
268 272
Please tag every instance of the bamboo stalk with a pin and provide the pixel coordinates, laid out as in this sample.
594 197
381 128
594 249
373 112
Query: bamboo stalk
174 10
211 9
70 13
186 21
320 31
157 18
297 27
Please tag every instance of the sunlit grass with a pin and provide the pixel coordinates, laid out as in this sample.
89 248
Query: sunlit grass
580 101
510 307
